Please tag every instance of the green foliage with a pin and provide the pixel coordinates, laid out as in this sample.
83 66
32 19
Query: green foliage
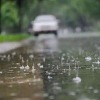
9 14
13 37
72 13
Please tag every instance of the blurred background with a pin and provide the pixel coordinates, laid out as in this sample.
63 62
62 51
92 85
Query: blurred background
75 15
59 66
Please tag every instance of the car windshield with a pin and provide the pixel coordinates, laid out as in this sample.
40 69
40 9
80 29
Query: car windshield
45 18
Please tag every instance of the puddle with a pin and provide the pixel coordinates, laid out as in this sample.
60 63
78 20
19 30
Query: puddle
71 73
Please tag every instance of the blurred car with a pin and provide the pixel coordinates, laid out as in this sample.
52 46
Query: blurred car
44 24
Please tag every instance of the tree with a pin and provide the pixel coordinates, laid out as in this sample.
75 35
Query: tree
17 14
9 15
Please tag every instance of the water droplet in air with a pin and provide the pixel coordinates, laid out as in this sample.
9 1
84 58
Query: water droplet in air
77 80
88 58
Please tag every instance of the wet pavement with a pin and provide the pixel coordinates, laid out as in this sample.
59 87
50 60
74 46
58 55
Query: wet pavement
52 69
7 46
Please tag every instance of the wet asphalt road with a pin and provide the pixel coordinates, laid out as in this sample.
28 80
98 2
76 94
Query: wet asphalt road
52 69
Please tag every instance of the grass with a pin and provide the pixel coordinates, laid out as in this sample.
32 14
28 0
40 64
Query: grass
13 37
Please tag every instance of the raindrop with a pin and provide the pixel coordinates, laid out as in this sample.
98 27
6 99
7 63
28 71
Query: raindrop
23 60
69 70
93 67
27 67
41 66
49 77
44 59
33 69
8 57
77 80
64 70
57 67
88 58
38 64
31 56
62 58
22 67
13 53
20 56
98 62
17 63
48 73
75 64
63 54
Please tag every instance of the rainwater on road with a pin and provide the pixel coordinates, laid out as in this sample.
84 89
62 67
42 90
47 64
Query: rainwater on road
52 69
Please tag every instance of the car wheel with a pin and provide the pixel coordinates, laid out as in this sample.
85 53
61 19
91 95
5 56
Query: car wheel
55 33
36 34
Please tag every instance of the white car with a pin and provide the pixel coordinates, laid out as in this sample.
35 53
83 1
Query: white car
44 24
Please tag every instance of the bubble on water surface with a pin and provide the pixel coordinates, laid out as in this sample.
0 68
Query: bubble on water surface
22 67
97 62
41 66
27 67
49 77
31 56
77 80
88 58
13 53
44 59
33 69
38 64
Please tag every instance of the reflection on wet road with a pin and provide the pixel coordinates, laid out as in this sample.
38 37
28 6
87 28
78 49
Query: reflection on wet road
46 43
68 73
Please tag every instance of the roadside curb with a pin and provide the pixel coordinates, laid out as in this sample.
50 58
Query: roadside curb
7 46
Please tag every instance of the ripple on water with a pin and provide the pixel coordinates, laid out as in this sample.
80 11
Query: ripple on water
52 66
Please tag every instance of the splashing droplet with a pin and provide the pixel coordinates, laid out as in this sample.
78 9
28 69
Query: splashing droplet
77 80
88 58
